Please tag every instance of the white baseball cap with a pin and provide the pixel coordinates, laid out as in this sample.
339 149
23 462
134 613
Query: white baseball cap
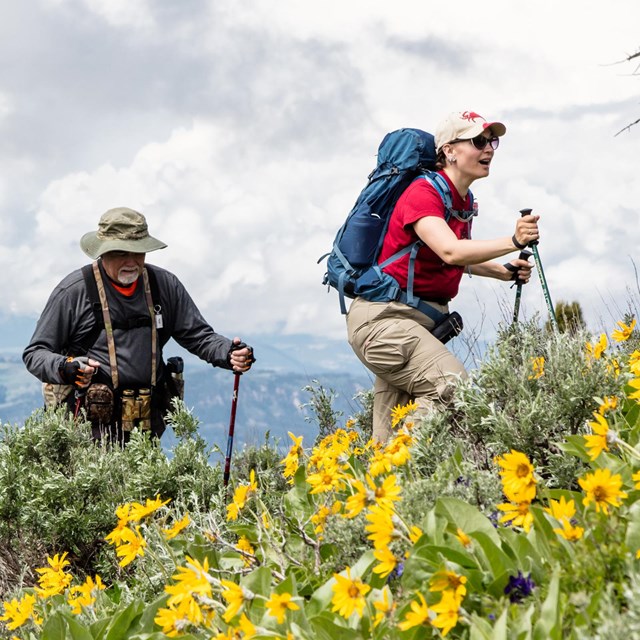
464 125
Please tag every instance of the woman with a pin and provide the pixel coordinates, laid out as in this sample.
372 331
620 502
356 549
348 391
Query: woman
392 339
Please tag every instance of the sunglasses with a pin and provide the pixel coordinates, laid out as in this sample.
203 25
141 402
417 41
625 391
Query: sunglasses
480 142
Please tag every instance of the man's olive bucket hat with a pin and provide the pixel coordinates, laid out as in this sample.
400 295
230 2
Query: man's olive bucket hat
120 229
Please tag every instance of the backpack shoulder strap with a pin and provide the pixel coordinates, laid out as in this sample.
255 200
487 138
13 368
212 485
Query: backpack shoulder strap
153 284
155 298
94 298
96 307
444 191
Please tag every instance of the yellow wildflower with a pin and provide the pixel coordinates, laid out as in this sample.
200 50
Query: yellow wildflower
53 579
379 463
192 579
86 594
517 476
603 488
599 440
609 403
517 514
176 618
17 612
634 363
634 384
625 331
349 594
569 531
122 512
397 450
278 605
132 546
537 365
292 460
234 594
381 528
319 519
383 607
176 528
241 496
448 612
596 349
357 501
387 560
329 478
138 511
417 616
613 367
445 580
415 533
561 509
398 413
246 626
247 551
463 538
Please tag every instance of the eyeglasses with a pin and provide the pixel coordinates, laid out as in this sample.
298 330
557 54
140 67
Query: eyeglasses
480 142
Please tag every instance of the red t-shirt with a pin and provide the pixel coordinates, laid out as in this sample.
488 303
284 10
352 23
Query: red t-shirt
433 279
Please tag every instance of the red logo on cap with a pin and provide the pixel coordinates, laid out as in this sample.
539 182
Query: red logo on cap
471 116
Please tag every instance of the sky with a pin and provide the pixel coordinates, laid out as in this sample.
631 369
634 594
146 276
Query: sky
244 132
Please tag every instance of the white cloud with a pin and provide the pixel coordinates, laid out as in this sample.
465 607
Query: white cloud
246 132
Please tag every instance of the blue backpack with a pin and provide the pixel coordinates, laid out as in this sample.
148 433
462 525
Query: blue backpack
352 266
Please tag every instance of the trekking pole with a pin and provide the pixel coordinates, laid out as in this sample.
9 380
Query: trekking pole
232 424
524 255
543 281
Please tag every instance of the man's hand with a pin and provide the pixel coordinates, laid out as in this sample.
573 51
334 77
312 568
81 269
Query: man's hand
240 356
78 371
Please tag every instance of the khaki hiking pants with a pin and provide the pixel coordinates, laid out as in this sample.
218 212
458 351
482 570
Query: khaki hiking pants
393 341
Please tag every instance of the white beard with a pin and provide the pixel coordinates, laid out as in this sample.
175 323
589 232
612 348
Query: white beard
127 277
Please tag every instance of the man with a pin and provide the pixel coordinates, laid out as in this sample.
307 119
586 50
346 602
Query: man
103 328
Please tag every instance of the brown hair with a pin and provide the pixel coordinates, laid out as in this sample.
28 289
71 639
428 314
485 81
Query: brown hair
440 160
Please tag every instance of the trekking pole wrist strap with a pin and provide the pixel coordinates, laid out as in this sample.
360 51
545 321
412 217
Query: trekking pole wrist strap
516 243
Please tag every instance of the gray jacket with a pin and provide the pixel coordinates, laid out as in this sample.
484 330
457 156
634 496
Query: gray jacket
68 318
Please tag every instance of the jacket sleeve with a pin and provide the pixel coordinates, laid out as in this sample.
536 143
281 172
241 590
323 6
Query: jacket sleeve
186 324
66 318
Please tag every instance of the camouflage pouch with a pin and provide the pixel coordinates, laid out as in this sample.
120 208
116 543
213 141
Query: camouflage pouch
99 404
56 394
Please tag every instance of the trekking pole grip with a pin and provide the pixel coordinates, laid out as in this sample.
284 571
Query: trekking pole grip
523 213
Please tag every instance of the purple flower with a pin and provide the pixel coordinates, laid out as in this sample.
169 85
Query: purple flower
397 572
519 587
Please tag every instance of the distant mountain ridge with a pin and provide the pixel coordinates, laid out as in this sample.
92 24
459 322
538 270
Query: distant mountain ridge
270 398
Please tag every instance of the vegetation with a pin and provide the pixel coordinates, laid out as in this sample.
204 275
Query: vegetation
516 514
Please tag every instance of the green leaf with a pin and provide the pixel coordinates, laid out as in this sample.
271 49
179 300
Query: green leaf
99 628
548 626
147 623
258 581
467 517
632 538
575 446
55 628
481 629
498 561
123 621
325 628
78 631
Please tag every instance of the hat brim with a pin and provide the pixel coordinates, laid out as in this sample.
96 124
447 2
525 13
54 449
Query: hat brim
496 128
94 247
